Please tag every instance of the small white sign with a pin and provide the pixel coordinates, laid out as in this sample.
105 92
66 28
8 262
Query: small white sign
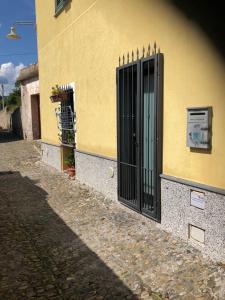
197 234
198 199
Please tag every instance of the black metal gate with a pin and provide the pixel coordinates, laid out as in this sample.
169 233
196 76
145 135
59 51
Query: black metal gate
139 131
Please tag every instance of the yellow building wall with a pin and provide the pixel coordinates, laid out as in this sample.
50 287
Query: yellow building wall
82 45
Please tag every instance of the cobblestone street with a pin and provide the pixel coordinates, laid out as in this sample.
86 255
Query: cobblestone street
60 240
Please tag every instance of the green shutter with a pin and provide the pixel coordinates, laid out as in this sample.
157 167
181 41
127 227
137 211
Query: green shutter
59 5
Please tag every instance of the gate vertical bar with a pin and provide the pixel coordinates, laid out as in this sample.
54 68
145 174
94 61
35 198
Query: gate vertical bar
148 140
118 130
138 134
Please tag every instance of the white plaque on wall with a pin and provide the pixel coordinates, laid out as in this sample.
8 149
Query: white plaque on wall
198 199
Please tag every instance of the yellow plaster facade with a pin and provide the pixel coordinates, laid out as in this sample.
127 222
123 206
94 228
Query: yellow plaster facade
82 45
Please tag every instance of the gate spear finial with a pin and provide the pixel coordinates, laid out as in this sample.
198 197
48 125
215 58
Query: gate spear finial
143 51
155 48
149 49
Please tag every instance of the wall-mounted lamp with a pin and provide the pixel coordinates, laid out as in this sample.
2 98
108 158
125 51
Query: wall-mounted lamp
13 35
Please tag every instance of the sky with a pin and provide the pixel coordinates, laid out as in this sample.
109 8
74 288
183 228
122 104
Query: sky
16 54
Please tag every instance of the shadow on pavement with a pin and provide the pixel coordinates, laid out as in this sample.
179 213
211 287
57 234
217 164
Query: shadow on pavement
7 136
41 256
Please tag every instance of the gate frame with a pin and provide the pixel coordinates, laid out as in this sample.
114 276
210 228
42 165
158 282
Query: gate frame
158 145
126 203
158 120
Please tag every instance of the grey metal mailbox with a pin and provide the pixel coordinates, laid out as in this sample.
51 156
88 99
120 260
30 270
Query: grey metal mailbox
199 121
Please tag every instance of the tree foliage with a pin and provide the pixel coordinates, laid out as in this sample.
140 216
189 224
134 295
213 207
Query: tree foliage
13 100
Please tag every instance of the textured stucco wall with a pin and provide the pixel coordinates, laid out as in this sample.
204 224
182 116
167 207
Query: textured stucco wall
98 173
177 214
82 45
28 88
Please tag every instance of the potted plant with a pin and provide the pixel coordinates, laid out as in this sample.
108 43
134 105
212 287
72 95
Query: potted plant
58 94
70 162
60 136
70 137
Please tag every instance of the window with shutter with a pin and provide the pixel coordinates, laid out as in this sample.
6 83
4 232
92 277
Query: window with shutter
59 6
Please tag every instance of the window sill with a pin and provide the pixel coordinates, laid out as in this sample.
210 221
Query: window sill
68 145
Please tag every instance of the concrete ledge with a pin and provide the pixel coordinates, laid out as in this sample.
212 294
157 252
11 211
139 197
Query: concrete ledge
98 173
96 155
50 144
194 184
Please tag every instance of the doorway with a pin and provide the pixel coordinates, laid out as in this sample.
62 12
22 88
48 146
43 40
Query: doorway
139 132
36 116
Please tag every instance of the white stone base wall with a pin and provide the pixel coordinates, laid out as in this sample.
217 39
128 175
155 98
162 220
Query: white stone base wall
177 215
51 155
98 173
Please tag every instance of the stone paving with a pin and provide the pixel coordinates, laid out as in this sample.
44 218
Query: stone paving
60 240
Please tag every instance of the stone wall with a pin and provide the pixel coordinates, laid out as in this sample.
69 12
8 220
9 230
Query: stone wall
5 119
178 216
51 155
97 172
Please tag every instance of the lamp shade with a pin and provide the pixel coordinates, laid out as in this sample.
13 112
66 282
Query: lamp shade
13 35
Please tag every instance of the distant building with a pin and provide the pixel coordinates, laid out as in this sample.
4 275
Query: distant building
30 102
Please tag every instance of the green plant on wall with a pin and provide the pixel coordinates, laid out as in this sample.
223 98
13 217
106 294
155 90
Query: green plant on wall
13 100
70 137
58 94
67 137
57 90
70 160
